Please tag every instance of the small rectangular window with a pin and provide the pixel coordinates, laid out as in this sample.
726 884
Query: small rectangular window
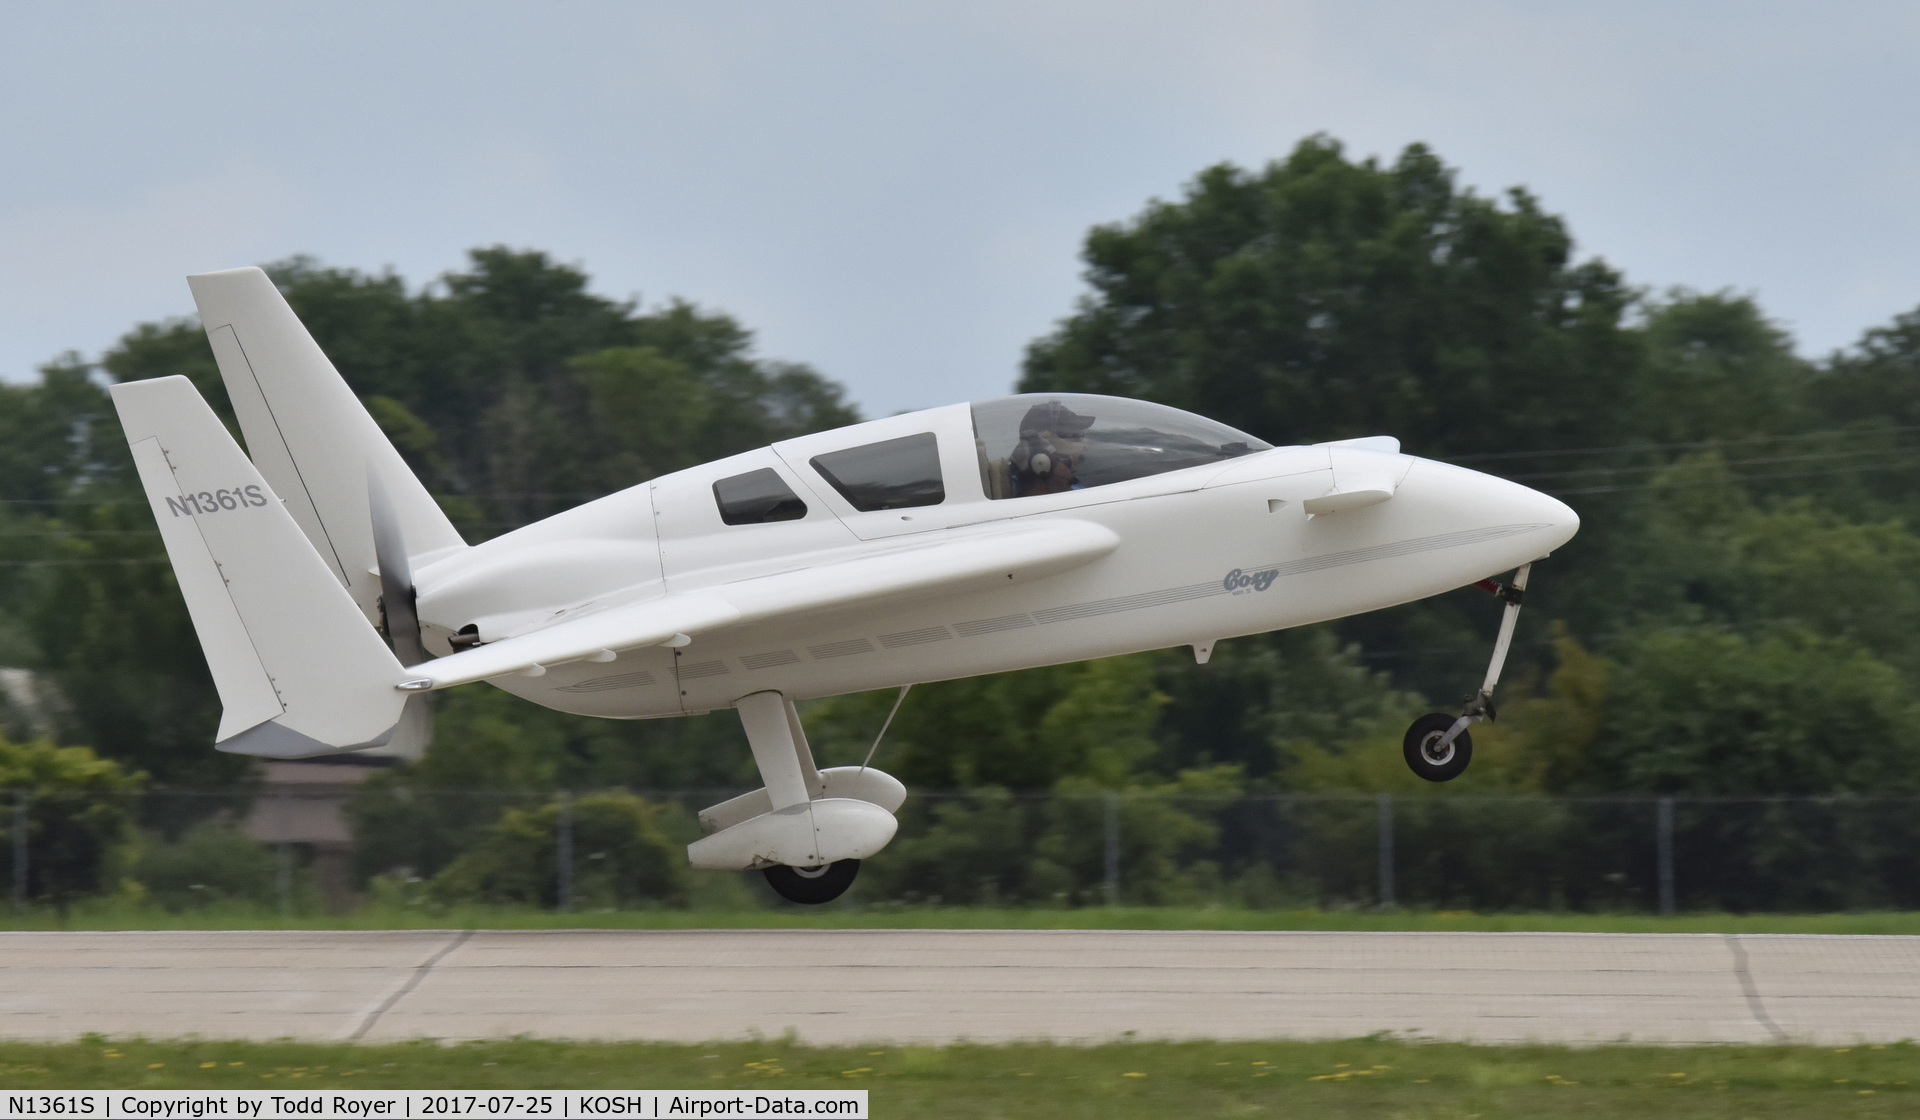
892 474
757 497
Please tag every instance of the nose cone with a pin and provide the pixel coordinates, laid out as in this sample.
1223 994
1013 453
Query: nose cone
1538 523
1499 523
1559 521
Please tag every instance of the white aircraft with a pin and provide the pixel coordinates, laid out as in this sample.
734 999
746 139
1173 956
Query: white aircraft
1028 530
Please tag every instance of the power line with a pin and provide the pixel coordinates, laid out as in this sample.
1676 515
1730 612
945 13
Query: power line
500 495
75 562
1908 453
1690 445
1736 478
1531 476
9 534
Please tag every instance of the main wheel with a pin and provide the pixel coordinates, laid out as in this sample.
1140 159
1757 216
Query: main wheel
1427 758
811 886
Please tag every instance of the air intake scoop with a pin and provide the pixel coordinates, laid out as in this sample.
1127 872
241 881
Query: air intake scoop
1366 472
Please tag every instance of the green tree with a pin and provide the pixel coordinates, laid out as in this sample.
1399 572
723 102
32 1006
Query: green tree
1718 369
1092 721
1707 711
488 382
77 816
623 854
1261 701
211 862
86 590
1323 298
1543 743
1873 392
1878 381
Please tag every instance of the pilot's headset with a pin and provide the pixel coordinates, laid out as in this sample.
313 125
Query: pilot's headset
1048 433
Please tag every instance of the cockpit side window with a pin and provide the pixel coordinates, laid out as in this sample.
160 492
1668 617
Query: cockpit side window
892 474
1052 443
757 497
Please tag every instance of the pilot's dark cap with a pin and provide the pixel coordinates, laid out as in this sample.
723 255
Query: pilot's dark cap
1056 418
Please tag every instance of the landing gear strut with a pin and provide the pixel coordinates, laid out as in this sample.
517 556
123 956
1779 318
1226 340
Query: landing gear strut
806 828
1437 746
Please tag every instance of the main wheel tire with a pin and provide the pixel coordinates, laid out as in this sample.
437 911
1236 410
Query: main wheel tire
1422 743
811 886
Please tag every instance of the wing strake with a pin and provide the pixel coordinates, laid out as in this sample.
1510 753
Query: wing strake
984 558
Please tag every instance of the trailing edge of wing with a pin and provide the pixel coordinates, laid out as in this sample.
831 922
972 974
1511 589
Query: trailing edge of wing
650 623
985 557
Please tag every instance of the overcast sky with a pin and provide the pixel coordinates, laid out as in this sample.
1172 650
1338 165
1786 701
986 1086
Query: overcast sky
897 193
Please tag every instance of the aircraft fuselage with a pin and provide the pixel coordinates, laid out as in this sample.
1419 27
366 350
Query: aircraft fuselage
1204 553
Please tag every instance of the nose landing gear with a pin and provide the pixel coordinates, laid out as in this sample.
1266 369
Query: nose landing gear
1437 746
1434 754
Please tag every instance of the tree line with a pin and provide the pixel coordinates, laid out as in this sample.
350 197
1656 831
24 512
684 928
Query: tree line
1738 615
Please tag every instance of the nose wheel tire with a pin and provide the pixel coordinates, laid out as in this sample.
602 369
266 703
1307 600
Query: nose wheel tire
1425 754
811 886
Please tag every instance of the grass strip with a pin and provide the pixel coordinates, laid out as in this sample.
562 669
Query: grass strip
118 916
1368 1077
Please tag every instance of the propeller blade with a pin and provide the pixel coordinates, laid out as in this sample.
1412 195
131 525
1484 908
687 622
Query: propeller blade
396 576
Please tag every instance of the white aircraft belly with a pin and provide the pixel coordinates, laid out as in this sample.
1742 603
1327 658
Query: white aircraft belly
638 684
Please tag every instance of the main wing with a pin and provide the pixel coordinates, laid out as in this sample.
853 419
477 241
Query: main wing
960 560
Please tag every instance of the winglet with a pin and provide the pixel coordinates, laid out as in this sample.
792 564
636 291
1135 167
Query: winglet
309 435
298 669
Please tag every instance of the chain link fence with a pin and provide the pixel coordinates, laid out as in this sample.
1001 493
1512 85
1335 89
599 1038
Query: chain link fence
337 847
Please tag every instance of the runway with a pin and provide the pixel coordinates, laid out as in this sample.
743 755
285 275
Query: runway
935 986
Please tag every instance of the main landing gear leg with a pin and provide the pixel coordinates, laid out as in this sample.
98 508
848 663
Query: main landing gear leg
786 765
807 828
1437 746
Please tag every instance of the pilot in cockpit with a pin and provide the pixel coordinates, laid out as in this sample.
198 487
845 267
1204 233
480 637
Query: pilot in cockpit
1053 437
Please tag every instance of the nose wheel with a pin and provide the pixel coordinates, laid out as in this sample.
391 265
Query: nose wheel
1437 746
1431 753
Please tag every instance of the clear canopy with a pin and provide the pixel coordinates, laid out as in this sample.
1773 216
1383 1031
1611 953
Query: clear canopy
1050 443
